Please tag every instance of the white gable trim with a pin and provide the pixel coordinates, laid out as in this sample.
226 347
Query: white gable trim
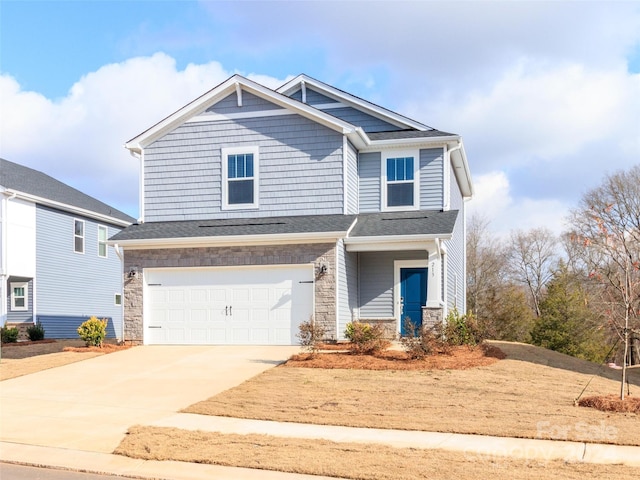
231 85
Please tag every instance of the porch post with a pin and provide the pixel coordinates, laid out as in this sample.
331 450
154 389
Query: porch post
434 280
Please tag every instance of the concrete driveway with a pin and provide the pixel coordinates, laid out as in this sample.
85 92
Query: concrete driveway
89 405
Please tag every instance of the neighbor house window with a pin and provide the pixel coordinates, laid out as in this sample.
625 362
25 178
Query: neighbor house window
239 178
19 296
78 236
102 241
401 189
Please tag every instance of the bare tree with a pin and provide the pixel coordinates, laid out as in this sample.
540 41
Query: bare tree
533 257
605 229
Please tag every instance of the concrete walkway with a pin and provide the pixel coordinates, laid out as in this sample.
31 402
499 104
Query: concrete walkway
72 417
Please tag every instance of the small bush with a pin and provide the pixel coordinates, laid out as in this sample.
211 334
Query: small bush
461 329
310 335
35 332
365 338
419 342
93 331
9 334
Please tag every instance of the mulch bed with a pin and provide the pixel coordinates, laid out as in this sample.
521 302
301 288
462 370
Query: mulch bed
27 342
106 348
458 358
612 403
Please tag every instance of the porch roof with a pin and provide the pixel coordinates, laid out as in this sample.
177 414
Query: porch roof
417 222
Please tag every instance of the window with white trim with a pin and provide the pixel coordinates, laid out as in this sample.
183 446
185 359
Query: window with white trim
19 296
240 178
117 299
102 241
78 236
400 185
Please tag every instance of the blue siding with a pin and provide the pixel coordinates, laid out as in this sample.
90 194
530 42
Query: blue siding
300 169
313 97
61 326
352 180
431 179
250 103
369 182
369 123
376 281
25 315
71 284
347 287
456 283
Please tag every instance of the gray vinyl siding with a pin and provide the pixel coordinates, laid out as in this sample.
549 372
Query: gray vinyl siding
70 284
300 169
20 316
250 103
347 287
369 182
431 179
313 97
455 251
376 279
351 194
66 326
369 123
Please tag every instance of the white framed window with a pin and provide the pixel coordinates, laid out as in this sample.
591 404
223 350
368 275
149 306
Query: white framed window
19 296
78 236
400 180
102 241
117 299
240 180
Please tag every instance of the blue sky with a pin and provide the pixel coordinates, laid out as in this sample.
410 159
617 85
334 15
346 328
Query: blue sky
545 94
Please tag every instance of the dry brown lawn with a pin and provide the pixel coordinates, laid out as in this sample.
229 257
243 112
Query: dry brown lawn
30 357
530 394
348 460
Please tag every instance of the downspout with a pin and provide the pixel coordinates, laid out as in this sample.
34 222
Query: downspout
120 255
446 175
138 156
3 265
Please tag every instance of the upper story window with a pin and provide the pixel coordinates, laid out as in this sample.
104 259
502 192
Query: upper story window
240 177
19 296
400 187
78 236
102 241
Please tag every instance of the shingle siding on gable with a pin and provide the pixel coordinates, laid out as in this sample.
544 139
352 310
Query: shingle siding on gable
71 284
250 103
369 182
313 97
431 179
300 169
352 180
455 251
369 123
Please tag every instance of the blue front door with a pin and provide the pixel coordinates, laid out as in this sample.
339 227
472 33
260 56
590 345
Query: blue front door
413 295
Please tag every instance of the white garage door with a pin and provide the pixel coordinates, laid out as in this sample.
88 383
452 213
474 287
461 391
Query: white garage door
227 306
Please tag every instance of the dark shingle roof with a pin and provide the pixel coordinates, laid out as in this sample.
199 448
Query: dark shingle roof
423 222
403 134
418 222
33 182
237 227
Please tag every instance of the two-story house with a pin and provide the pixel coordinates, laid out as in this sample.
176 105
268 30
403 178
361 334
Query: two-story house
264 208
56 266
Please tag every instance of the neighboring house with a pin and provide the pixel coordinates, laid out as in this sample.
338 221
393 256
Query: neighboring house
56 265
263 208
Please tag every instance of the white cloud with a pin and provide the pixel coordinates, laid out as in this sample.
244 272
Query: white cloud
79 138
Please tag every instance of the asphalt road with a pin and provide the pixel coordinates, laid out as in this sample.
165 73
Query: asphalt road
20 472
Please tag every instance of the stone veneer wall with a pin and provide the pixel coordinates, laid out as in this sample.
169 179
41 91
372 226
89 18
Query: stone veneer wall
432 316
317 253
389 326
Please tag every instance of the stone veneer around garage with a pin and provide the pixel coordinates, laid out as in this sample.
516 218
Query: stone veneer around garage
316 253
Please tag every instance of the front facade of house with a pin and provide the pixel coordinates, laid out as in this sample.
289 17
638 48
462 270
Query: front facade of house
264 208
56 266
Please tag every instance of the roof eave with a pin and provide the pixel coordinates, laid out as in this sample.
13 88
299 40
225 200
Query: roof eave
394 242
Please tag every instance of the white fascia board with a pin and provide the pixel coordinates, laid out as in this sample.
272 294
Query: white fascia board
393 242
339 95
428 142
216 94
462 172
230 240
67 208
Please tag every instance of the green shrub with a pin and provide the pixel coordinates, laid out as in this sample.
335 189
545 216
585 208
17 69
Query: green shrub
365 338
93 331
35 332
9 334
460 329
419 342
310 335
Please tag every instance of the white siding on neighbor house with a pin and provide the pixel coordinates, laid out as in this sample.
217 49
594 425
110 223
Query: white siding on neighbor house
351 194
376 277
21 238
369 182
455 252
73 285
431 179
347 287
300 169
20 316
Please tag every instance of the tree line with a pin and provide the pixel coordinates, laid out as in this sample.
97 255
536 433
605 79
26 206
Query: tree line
576 293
